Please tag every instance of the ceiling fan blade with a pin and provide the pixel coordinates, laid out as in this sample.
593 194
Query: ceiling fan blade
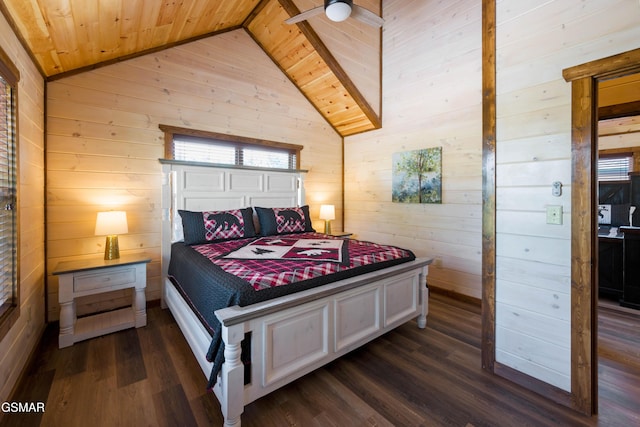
366 16
305 15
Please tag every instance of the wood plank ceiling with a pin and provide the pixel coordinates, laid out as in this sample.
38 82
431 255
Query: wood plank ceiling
70 36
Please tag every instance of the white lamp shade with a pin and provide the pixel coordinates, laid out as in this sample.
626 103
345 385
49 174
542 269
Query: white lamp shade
327 212
110 223
338 11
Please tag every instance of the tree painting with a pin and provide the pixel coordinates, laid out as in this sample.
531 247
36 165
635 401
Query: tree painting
417 176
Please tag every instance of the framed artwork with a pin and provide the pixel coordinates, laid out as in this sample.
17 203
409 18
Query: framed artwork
417 176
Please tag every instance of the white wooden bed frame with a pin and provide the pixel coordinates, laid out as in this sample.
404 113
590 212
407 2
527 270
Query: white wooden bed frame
291 335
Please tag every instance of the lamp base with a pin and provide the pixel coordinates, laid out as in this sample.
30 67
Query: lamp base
111 248
327 227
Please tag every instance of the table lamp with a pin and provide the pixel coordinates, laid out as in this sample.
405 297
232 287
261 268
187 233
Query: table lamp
111 224
327 212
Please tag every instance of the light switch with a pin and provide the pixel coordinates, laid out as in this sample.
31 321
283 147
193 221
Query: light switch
554 214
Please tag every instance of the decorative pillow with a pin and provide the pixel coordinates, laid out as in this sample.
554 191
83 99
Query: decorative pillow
284 220
212 226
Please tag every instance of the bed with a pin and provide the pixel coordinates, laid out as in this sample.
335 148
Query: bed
267 343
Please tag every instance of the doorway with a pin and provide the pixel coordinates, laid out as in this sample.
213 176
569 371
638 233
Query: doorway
584 115
618 146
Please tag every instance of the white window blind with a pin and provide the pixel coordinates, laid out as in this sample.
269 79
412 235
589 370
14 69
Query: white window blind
8 238
196 150
190 148
615 168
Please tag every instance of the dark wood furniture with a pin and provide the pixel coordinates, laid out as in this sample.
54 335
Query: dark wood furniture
619 253
619 265
631 253
610 266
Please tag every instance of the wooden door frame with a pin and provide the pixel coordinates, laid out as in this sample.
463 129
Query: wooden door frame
584 209
488 349
584 79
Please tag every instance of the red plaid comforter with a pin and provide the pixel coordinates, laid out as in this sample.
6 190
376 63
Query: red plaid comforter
268 273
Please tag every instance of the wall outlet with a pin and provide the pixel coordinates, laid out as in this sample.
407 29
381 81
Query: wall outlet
554 214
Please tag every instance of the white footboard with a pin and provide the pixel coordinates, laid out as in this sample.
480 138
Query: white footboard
295 335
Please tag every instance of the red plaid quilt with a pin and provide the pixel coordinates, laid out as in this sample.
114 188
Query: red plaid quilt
266 262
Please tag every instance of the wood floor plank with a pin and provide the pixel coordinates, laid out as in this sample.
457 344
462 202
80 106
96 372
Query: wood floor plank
330 387
130 365
101 361
137 406
206 410
60 401
172 408
409 377
72 360
189 373
157 361
35 388
389 406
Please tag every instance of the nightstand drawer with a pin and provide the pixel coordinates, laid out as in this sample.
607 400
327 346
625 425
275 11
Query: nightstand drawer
104 279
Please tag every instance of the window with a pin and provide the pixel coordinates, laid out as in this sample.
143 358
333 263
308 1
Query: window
9 290
211 147
615 167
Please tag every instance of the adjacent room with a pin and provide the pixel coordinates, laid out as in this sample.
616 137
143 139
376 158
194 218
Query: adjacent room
306 212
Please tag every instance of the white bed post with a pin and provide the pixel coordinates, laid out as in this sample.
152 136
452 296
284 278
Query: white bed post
424 298
301 193
232 376
165 207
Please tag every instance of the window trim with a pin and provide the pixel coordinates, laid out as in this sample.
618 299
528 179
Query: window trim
11 75
171 131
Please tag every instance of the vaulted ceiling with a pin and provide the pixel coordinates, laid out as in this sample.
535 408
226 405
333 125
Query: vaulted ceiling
336 66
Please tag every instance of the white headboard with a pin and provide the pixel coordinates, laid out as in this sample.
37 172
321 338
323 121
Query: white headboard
203 187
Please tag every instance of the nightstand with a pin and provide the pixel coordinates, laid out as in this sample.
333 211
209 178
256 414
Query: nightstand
93 276
344 234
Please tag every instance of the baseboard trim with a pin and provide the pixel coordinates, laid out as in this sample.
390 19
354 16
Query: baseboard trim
549 391
456 295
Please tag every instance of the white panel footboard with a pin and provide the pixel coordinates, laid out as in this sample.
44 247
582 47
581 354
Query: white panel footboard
357 316
400 299
296 334
293 341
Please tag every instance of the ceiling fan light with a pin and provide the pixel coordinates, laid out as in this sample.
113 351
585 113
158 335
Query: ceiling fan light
338 11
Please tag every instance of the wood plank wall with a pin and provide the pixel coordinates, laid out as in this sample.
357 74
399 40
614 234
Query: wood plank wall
355 46
615 134
25 334
621 132
432 54
619 91
103 142
535 42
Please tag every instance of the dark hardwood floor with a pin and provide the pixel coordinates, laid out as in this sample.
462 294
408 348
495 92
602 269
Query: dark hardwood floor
409 377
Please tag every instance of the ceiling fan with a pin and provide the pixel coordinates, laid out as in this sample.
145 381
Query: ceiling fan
339 10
